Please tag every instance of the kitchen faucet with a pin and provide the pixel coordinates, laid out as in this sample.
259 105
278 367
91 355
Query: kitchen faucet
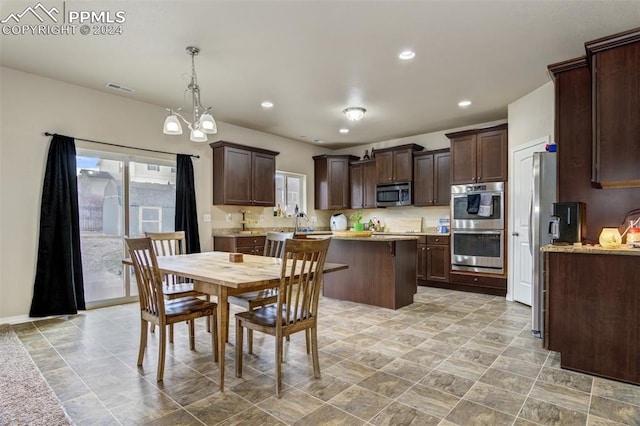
298 216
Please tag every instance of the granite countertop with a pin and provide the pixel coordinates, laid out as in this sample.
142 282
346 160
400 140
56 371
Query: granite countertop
417 234
597 249
377 237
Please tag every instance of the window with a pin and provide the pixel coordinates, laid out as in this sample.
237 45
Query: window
117 196
290 191
150 219
173 170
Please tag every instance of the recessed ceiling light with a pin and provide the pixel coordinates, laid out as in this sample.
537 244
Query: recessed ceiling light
318 141
405 55
464 104
303 137
343 131
267 104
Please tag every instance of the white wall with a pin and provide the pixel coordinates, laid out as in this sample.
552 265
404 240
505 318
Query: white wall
31 105
532 116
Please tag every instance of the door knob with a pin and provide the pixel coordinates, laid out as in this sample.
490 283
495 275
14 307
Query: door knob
515 234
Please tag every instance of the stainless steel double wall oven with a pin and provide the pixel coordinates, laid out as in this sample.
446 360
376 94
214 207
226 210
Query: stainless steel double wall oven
477 227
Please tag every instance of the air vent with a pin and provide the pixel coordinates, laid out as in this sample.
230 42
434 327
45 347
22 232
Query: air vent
115 86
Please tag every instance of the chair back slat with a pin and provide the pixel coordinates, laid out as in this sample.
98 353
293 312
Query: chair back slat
168 244
298 294
148 278
274 243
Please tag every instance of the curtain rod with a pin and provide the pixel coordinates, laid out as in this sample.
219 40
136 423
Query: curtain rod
121 146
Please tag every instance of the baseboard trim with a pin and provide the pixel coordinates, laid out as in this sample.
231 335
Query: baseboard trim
20 319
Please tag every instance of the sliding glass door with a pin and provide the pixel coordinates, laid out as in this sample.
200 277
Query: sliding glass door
119 196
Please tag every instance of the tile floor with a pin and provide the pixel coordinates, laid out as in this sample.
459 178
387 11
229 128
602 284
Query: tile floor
450 358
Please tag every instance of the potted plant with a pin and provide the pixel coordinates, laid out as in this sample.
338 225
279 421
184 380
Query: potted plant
357 217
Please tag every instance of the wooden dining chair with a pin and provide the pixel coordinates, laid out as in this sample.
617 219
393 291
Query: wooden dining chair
170 244
296 308
154 309
273 247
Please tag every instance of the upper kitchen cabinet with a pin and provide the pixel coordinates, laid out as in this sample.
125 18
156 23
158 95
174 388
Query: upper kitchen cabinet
363 184
479 155
332 189
243 175
615 82
431 178
395 164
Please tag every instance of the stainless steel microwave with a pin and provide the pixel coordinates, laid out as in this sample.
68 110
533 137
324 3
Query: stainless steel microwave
395 194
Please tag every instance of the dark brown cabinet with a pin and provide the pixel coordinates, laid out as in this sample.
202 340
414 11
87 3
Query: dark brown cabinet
615 79
478 283
243 175
433 260
239 244
573 134
438 258
431 178
363 184
332 189
396 164
479 155
591 314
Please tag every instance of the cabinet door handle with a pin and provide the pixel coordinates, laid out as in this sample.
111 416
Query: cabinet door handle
428 249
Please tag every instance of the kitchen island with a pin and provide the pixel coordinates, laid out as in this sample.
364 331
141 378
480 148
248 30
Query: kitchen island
382 270
592 312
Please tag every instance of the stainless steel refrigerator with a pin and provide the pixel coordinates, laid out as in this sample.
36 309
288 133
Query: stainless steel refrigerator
543 197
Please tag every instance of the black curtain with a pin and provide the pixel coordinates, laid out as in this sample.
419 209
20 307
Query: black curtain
186 212
58 287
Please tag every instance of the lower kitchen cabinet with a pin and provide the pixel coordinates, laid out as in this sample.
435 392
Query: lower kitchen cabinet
433 260
438 258
478 283
239 244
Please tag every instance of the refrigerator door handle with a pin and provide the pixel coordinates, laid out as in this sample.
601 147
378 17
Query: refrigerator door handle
531 223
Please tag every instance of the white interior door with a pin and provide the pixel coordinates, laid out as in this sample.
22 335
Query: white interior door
521 271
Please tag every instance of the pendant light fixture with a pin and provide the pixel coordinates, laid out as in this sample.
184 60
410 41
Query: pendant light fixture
354 113
203 122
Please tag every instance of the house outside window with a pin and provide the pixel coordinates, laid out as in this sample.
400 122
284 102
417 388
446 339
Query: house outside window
291 191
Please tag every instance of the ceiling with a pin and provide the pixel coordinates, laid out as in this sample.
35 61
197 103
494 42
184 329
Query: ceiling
312 59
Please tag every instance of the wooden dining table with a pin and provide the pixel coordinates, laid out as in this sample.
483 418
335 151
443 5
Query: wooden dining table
215 274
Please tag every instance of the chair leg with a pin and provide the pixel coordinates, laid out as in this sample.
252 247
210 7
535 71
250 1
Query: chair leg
228 310
238 348
170 333
249 340
152 327
306 339
161 351
314 349
192 334
278 365
143 340
208 299
212 324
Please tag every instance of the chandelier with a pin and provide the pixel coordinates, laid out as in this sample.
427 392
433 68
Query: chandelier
354 113
202 122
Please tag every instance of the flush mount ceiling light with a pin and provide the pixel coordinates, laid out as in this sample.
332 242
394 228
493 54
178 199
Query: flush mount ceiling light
405 55
203 122
464 104
354 113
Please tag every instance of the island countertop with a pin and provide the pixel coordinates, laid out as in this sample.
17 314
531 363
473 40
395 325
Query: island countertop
623 250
